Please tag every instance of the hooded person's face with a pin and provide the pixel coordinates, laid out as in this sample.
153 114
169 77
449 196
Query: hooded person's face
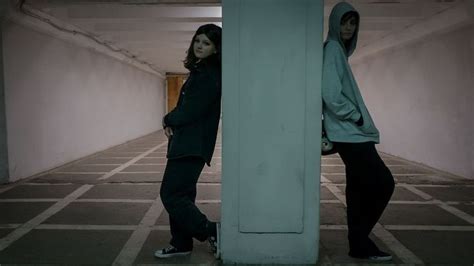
348 28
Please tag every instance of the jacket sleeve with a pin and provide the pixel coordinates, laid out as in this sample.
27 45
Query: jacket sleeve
336 102
197 100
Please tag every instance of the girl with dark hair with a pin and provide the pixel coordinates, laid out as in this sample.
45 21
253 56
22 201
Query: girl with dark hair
191 128
349 126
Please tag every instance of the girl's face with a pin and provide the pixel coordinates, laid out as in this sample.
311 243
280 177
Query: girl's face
348 28
203 47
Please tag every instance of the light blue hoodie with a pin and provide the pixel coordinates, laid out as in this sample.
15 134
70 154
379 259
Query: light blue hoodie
342 102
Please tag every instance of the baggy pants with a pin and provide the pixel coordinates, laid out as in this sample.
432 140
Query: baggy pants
369 187
178 194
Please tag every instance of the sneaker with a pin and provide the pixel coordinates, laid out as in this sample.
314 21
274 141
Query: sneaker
214 242
374 256
170 252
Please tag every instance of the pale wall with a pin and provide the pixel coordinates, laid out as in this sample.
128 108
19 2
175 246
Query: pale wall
421 97
64 101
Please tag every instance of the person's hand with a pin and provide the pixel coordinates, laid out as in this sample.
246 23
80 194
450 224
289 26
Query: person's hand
163 122
360 122
168 132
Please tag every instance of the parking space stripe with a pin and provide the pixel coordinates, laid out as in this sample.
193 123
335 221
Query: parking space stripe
135 243
31 224
134 160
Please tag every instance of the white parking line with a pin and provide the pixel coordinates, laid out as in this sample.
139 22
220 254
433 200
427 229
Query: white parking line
333 227
458 213
87 227
429 228
106 157
159 172
134 160
142 172
80 173
330 201
417 192
31 224
48 184
388 165
325 180
385 236
208 201
134 244
9 226
395 175
99 164
161 228
141 164
115 200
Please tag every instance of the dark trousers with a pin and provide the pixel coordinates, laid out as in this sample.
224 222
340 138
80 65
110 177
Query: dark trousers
369 187
178 194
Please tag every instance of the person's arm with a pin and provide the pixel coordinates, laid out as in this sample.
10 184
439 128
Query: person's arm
198 97
334 100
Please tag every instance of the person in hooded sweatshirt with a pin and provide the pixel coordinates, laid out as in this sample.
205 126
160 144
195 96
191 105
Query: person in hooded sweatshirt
349 126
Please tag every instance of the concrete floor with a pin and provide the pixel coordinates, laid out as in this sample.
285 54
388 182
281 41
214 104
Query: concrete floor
105 209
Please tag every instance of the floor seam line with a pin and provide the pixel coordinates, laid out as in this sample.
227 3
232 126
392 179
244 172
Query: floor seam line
135 159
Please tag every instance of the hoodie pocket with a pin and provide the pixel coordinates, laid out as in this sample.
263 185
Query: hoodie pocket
368 127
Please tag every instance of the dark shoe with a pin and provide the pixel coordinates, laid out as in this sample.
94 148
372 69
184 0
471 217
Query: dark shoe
171 252
214 241
380 256
373 255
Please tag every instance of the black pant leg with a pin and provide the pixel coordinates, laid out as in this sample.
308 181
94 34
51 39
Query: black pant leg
368 190
355 190
383 181
180 237
178 193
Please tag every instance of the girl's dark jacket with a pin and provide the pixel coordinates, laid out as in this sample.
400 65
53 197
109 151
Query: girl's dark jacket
195 119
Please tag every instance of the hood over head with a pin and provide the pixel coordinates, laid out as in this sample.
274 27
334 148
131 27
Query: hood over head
337 13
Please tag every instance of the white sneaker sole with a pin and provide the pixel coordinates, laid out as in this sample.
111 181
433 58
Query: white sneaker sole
159 255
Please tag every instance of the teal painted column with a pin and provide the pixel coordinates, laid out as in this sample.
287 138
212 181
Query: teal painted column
4 173
272 64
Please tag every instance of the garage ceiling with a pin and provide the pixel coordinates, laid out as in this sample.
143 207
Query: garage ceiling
159 31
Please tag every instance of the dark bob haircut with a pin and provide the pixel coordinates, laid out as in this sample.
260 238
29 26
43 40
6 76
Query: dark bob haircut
349 15
214 33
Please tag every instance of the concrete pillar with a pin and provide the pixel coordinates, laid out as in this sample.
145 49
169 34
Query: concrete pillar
4 173
272 61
